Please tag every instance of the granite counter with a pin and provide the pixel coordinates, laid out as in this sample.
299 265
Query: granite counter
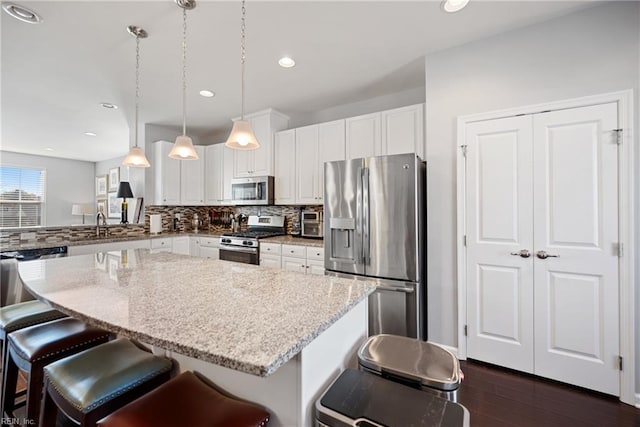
239 316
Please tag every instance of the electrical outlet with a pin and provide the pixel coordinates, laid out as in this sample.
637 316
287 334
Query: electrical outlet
27 236
178 216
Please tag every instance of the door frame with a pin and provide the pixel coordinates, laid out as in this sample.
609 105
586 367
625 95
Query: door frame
626 266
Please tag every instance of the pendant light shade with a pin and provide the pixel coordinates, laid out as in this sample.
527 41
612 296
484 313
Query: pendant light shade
183 149
136 157
242 137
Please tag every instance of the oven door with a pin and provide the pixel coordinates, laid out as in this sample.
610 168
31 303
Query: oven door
239 254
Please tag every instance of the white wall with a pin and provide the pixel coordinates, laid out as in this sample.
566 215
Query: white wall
590 52
68 182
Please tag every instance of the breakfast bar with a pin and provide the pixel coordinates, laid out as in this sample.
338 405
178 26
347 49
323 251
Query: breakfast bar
274 337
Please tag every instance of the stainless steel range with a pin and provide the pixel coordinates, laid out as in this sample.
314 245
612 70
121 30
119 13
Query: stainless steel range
244 246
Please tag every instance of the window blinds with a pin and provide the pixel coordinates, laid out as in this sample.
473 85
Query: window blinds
22 196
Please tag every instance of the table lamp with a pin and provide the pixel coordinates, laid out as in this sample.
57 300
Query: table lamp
78 210
124 191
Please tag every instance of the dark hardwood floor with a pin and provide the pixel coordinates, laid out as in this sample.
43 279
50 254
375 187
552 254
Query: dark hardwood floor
499 397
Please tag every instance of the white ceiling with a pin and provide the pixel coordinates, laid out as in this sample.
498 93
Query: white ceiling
55 75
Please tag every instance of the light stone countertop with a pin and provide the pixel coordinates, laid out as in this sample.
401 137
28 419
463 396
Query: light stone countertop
239 316
291 240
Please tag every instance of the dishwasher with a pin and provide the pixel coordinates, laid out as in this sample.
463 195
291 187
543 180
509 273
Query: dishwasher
13 290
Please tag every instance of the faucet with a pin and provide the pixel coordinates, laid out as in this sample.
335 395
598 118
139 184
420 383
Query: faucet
99 216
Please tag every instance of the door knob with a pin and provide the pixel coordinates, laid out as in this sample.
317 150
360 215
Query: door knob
522 253
545 255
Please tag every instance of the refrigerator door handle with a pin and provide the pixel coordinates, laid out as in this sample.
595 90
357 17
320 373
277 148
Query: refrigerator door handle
358 239
406 290
365 215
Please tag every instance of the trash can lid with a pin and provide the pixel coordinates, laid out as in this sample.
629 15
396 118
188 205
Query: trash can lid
363 396
410 359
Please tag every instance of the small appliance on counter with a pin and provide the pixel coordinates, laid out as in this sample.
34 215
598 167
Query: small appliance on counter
195 222
155 224
312 224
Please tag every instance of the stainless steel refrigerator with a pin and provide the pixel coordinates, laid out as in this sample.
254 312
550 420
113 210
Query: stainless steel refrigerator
374 221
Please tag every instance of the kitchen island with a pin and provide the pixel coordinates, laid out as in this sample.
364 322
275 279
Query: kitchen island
270 336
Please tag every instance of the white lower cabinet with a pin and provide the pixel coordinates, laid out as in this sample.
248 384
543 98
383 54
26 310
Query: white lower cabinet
301 259
180 245
163 244
206 247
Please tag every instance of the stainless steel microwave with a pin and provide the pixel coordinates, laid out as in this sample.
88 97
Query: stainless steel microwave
255 190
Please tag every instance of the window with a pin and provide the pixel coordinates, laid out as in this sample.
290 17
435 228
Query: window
21 196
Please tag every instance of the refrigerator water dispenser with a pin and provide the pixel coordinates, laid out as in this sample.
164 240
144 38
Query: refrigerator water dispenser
342 239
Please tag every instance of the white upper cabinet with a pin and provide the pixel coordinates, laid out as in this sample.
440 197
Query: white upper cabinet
396 131
260 162
363 136
300 157
192 179
307 165
403 130
167 175
285 167
331 147
218 174
175 183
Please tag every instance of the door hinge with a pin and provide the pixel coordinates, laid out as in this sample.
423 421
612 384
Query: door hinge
618 136
620 362
464 151
464 240
620 250
465 330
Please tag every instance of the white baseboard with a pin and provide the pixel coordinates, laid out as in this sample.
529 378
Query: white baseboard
638 400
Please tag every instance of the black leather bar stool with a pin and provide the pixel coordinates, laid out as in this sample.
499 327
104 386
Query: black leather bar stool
88 386
30 349
17 316
187 401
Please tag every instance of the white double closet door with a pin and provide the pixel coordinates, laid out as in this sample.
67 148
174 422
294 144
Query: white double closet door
542 244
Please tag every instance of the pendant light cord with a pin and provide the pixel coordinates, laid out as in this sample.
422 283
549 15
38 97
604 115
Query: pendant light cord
184 72
242 53
137 88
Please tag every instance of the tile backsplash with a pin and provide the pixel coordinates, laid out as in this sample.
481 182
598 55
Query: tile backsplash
186 215
11 238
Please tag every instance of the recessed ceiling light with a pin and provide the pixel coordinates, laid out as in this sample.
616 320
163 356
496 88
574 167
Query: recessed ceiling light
207 93
49 149
454 5
91 134
21 13
109 105
286 62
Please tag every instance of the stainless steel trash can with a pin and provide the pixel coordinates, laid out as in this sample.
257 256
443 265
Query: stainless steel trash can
413 362
359 398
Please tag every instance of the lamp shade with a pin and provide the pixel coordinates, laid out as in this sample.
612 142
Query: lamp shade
136 158
242 137
124 190
183 149
77 210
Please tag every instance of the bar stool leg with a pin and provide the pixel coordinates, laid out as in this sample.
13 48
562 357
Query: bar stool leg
9 383
34 393
49 410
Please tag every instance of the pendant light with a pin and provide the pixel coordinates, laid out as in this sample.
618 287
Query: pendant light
183 148
136 157
242 136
